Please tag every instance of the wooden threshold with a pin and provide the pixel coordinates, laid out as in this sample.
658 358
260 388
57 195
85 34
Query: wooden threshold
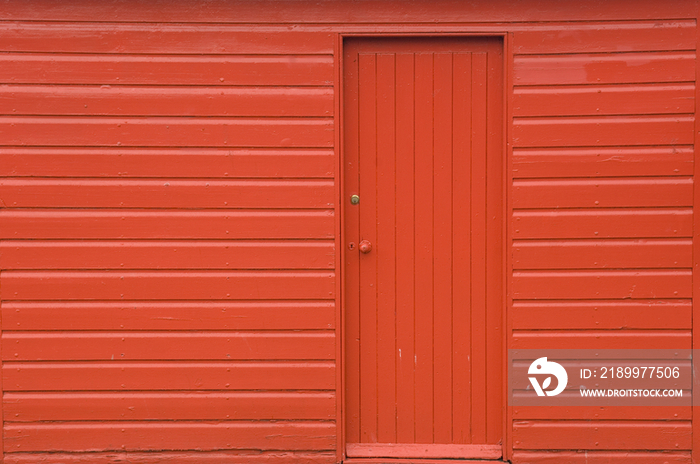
423 451
417 461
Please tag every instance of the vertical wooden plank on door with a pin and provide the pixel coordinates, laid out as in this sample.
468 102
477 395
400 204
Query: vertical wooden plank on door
507 274
478 248
352 227
494 246
424 247
368 226
461 267
442 257
405 230
340 261
385 249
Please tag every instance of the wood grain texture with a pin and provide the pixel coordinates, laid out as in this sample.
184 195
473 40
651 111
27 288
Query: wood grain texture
31 68
154 315
602 284
167 193
598 314
602 435
366 11
424 451
168 375
601 37
599 457
105 436
166 101
49 37
600 254
682 413
587 100
603 162
40 407
585 193
175 457
405 233
603 131
173 224
615 68
166 132
172 163
167 285
609 223
105 254
601 339
97 346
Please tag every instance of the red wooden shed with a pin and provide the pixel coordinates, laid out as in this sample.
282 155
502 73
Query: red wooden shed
312 231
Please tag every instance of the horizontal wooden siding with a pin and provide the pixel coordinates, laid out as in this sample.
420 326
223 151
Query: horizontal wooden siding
168 256
601 223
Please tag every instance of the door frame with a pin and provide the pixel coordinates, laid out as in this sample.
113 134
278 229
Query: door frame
506 265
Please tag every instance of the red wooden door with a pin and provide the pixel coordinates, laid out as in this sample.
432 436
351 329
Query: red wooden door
424 306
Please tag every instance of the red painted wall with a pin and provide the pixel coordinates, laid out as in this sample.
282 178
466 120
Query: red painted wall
169 226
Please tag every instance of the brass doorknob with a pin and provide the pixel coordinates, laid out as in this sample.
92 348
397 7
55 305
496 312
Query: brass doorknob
365 246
